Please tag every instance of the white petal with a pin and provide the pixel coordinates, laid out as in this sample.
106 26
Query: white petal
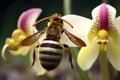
81 26
117 23
113 54
117 26
112 11
87 55
37 68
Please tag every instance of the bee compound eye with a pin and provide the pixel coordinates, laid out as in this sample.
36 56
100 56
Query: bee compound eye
48 20
61 21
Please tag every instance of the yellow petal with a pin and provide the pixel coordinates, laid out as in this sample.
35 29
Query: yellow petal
113 54
20 51
87 55
37 68
80 28
3 53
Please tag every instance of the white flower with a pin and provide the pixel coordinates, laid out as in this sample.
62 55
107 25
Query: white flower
101 34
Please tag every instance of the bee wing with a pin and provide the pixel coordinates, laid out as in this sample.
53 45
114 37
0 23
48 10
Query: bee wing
32 38
113 54
74 39
81 27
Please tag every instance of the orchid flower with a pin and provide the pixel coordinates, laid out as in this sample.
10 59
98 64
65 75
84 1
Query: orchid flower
101 34
24 28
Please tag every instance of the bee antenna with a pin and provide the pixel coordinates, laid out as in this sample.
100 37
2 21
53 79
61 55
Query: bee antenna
41 20
67 22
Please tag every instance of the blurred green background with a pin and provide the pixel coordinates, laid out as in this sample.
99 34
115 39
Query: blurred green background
10 10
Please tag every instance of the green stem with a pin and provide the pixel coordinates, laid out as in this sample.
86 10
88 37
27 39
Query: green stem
84 74
67 6
48 77
105 1
118 76
104 66
112 72
67 10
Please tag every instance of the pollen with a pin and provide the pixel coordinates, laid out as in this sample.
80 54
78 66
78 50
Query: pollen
102 34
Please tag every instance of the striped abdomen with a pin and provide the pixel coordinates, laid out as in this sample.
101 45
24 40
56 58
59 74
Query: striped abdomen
51 53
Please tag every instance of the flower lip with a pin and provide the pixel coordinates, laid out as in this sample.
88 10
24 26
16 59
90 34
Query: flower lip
104 17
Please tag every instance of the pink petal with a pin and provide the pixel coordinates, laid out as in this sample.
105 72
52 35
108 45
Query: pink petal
27 19
103 17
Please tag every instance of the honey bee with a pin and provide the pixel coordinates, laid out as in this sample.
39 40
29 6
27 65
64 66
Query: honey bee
51 49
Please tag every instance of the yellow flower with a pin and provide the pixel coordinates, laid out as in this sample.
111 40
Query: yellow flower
25 28
101 34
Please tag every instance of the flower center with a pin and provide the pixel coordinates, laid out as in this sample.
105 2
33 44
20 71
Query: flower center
17 37
102 40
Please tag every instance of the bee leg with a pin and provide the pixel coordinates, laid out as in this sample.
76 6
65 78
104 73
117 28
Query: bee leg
70 55
34 58
70 59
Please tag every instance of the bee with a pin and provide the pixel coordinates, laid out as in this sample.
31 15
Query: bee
51 49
